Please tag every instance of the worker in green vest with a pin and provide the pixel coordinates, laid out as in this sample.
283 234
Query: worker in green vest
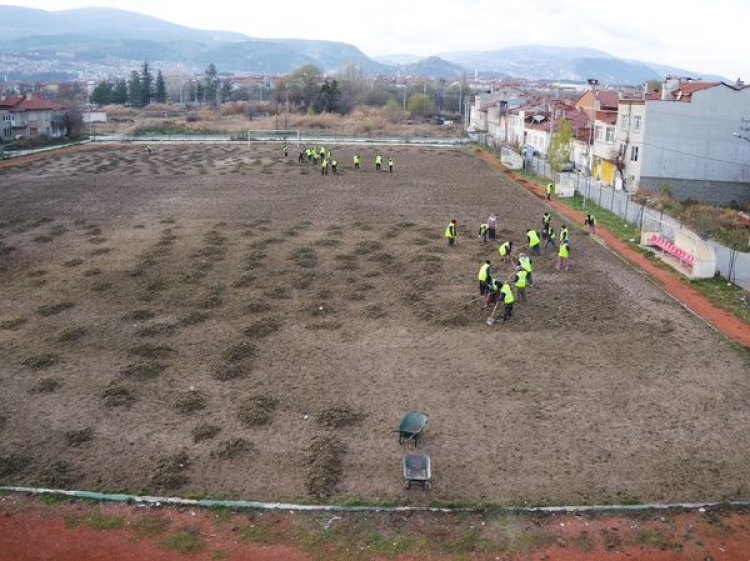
356 161
378 162
564 237
519 280
324 167
483 231
484 276
505 250
286 151
524 262
450 232
508 300
549 190
563 255
535 244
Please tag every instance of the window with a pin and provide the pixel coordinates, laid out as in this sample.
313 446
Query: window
6 117
637 123
599 133
624 122
634 153
7 132
610 134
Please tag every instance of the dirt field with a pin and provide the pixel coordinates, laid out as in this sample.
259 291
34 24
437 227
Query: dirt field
220 320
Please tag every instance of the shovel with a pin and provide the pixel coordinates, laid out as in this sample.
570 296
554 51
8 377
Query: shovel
491 318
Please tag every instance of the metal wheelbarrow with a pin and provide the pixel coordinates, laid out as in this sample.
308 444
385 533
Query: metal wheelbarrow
411 426
417 470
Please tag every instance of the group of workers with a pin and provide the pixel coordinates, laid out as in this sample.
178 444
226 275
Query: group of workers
494 290
323 157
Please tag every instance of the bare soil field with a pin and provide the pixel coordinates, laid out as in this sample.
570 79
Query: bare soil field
221 320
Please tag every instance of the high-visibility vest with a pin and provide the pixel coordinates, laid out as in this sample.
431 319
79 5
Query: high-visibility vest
450 231
390 162
504 249
324 163
356 159
334 163
492 285
484 272
483 228
563 250
378 160
550 188
521 278
533 238
563 234
525 263
507 294
546 217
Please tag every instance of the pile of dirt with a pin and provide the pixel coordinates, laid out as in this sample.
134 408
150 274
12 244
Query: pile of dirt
257 410
339 416
325 468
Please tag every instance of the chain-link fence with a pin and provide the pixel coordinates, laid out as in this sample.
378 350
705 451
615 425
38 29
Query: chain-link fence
732 264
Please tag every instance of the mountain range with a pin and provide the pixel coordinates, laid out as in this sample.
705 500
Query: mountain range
103 42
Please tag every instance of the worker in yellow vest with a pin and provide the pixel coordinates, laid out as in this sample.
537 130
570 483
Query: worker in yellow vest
505 250
563 255
390 165
549 190
564 237
334 163
591 223
324 167
484 276
356 161
519 280
546 219
524 262
483 231
535 244
450 232
378 162
508 300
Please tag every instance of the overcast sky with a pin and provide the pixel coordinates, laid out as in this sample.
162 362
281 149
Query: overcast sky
705 39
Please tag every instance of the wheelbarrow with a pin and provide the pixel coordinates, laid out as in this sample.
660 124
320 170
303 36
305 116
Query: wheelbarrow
411 426
417 471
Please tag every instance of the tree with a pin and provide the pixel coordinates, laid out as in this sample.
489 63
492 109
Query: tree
200 92
147 84
72 121
225 91
420 105
210 83
160 89
134 88
619 160
329 96
308 78
72 93
120 92
560 145
102 93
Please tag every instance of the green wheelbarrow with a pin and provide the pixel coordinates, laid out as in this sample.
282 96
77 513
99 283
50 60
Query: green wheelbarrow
411 426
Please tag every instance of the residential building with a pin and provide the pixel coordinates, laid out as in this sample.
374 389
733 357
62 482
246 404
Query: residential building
23 117
604 148
688 140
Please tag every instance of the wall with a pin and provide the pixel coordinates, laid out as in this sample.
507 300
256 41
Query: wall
693 141
715 192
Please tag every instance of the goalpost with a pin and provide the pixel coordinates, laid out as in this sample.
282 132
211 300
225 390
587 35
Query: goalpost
275 135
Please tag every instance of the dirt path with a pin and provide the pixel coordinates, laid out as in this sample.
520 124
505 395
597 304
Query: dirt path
732 327
30 530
